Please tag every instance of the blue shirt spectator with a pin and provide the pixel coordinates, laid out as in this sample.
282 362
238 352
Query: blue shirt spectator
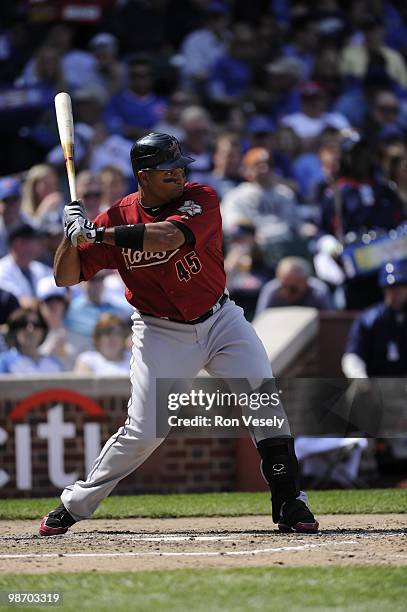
135 110
26 331
85 310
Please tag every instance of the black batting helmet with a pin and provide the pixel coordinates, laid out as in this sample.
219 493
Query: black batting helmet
157 152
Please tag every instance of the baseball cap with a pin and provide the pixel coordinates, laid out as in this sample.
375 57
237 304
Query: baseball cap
24 230
311 89
393 273
158 151
254 156
47 289
103 39
9 187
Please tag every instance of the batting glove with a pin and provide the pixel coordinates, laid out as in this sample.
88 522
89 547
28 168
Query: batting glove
72 211
80 231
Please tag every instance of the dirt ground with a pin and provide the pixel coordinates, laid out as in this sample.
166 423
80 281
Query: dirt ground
135 544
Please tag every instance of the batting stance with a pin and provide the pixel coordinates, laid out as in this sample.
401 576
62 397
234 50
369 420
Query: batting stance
166 242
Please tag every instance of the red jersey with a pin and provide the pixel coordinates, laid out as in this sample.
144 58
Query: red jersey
181 284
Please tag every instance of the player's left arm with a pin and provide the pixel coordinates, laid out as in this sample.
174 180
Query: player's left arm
150 237
193 223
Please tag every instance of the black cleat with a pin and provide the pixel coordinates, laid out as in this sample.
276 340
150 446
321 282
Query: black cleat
296 517
56 522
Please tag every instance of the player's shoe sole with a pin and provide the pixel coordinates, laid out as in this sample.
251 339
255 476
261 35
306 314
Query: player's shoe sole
299 528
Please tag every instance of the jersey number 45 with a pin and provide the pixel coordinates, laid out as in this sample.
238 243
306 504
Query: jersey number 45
188 265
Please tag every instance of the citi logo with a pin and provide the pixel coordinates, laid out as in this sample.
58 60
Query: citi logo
55 431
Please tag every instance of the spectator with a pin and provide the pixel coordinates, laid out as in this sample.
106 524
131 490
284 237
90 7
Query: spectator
20 272
363 203
88 104
47 71
355 57
383 113
26 330
114 185
110 150
133 111
286 147
85 310
246 270
109 70
277 93
230 76
77 65
313 117
53 303
294 286
89 190
197 126
391 144
41 193
110 356
10 210
302 43
270 205
52 230
260 131
377 342
315 171
201 48
170 123
356 203
354 102
227 159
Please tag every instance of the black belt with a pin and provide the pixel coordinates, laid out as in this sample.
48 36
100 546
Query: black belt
200 319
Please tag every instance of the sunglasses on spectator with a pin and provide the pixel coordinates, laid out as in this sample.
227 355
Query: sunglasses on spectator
27 323
140 75
385 108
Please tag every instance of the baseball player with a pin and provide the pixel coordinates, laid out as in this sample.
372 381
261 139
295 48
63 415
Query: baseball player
166 242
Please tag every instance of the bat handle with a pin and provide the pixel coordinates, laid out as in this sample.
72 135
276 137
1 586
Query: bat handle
70 169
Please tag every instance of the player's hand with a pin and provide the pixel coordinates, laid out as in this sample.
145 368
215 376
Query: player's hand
80 231
72 211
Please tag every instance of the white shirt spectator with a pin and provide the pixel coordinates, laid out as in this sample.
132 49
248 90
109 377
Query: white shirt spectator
114 151
273 210
201 49
14 280
98 364
310 127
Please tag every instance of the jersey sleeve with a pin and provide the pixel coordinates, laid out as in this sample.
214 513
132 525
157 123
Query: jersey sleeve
200 215
96 257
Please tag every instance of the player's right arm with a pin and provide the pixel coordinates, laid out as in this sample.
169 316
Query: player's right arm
67 264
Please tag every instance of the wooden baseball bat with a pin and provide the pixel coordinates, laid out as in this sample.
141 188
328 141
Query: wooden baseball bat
63 109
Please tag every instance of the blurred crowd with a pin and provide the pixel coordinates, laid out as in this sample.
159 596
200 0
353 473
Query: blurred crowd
295 112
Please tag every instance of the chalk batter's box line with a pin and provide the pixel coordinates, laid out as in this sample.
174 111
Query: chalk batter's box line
234 553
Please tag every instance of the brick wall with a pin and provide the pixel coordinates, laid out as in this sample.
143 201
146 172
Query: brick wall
178 465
